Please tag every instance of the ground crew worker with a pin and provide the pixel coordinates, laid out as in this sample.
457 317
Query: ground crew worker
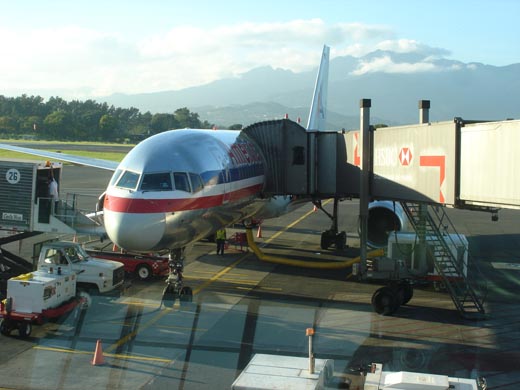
220 237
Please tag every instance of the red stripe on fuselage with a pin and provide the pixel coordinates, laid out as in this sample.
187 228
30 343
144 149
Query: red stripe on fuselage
140 205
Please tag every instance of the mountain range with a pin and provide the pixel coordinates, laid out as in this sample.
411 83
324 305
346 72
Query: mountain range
395 82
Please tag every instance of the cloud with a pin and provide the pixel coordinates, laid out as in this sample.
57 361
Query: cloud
398 56
411 46
386 65
81 61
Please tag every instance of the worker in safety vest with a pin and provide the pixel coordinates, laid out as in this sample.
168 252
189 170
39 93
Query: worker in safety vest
220 237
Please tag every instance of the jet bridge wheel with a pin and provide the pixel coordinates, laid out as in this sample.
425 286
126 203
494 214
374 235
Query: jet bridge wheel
404 292
330 237
385 301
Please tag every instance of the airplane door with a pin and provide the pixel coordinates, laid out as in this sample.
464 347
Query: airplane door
227 189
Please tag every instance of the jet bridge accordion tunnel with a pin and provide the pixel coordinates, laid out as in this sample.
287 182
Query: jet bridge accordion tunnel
303 163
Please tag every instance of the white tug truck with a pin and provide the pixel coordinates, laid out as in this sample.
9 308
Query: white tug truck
93 275
65 278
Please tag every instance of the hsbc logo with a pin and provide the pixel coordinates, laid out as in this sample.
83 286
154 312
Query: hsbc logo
405 156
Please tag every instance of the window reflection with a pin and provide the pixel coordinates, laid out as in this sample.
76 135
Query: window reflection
181 181
196 182
128 180
157 182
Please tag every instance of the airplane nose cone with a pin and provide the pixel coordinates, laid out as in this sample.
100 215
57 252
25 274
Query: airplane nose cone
135 232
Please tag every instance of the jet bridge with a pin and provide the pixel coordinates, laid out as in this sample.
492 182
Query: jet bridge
460 163
304 163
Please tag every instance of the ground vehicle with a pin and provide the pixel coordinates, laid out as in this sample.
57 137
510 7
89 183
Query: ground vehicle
93 275
36 297
144 267
65 276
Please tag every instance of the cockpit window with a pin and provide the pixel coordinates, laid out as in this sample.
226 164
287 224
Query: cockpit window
181 181
115 177
196 182
128 180
156 182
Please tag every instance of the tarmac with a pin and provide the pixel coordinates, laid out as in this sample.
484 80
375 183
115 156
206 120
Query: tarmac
243 306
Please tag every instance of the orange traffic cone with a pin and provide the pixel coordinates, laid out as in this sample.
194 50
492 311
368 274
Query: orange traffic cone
259 232
98 358
314 209
114 248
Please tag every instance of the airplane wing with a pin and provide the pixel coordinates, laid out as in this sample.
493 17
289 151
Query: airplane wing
80 160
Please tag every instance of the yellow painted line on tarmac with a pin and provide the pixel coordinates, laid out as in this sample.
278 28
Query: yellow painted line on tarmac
113 355
271 288
278 233
173 327
236 281
136 303
207 283
221 273
209 273
167 310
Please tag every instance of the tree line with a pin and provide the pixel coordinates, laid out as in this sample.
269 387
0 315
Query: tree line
56 119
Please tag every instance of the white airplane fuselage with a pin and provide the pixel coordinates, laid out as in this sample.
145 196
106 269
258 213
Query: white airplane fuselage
179 186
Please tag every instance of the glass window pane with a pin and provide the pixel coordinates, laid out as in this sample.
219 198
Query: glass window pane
157 182
181 181
128 180
196 182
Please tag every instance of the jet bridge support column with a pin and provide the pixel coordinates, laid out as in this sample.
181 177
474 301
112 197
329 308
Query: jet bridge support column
424 117
364 191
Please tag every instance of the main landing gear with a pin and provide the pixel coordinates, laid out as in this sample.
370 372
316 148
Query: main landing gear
386 300
332 237
175 288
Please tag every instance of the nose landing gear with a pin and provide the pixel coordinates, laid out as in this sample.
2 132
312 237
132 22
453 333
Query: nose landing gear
175 288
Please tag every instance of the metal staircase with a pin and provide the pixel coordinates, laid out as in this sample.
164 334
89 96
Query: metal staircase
79 219
467 289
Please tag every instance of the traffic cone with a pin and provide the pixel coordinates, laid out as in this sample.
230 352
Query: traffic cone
114 248
98 358
259 232
314 209
75 238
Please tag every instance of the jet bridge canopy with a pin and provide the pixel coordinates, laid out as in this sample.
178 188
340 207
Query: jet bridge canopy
301 162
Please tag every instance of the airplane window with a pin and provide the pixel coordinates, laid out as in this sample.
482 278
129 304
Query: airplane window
128 180
181 181
196 182
157 182
115 176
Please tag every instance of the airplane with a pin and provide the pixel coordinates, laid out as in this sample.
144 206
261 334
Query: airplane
180 186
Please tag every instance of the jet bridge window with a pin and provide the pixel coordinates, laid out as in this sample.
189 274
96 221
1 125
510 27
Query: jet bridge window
157 182
181 181
128 180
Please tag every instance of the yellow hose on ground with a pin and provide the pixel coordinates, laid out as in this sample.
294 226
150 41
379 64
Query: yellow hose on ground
302 263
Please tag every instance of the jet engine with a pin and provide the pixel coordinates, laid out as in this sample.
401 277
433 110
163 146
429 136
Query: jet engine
384 217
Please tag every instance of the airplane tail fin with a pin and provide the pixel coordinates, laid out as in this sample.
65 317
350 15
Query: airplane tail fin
318 112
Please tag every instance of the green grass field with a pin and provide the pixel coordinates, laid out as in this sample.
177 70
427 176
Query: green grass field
112 156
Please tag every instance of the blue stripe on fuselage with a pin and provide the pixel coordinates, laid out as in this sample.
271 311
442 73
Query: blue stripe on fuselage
235 174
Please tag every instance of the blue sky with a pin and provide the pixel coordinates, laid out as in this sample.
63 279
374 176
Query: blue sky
95 48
